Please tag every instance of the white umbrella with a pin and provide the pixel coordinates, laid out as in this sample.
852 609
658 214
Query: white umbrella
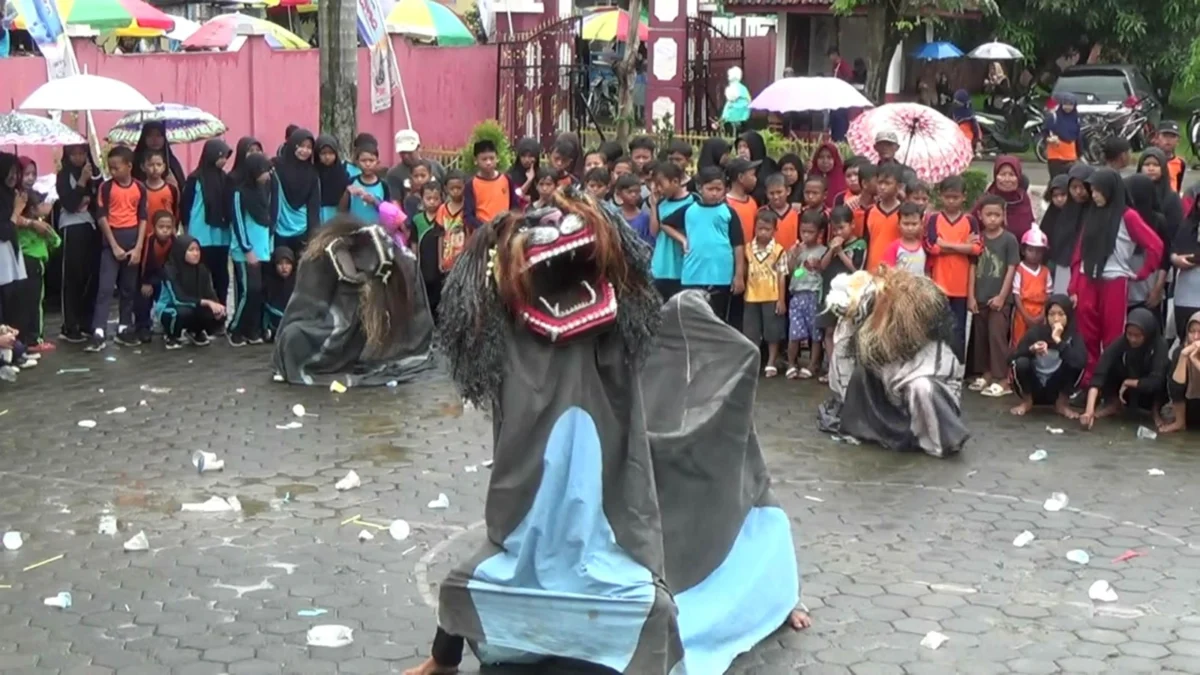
184 29
800 94
996 51
86 92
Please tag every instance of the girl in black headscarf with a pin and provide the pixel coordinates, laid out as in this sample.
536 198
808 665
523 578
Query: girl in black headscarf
523 172
12 266
1154 164
255 208
1132 372
1144 199
792 168
331 170
246 145
714 152
1062 225
1104 263
204 211
1183 381
1048 361
1185 257
154 137
188 302
300 188
77 183
752 143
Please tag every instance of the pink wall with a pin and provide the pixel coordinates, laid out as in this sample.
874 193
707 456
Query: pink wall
258 91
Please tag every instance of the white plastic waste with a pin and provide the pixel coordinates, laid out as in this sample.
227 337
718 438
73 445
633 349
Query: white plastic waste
1023 539
487 463
1054 430
471 468
87 424
399 529
933 640
13 541
1056 502
116 411
1101 591
330 635
442 502
1146 434
350 482
337 387
214 505
1037 455
138 542
299 411
108 525
1079 556
364 535
288 426
1155 472
155 390
61 601
207 461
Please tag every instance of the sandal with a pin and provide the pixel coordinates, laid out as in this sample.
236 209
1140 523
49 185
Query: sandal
977 384
792 373
995 390
805 374
770 371
824 379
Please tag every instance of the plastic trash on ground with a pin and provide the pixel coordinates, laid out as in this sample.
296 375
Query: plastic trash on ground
309 613
87 424
1037 455
933 640
138 542
1056 502
1054 430
299 411
1155 472
289 426
207 461
13 541
61 601
337 387
471 468
330 635
108 525
399 529
1101 591
1023 539
442 502
155 390
350 482
214 505
116 411
487 463
1079 556
1146 433
364 535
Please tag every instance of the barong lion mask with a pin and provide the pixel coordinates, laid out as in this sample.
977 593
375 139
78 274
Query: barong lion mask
566 272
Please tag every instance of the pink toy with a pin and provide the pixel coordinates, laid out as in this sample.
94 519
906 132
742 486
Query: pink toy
393 218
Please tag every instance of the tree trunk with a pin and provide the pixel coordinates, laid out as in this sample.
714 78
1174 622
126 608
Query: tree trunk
338 42
626 77
882 38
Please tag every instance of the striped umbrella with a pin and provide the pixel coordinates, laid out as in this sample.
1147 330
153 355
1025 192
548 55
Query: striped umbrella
612 24
184 124
425 19
109 15
219 32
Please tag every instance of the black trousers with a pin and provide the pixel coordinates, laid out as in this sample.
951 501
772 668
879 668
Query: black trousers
1026 382
433 291
80 267
216 259
27 313
1057 167
667 288
176 320
120 274
248 313
447 649
1110 391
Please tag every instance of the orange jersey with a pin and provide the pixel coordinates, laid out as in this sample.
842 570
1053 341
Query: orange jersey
165 198
787 230
1175 168
949 270
1032 289
883 227
747 212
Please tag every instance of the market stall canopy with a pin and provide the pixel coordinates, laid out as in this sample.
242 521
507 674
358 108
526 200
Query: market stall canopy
23 129
612 24
996 51
184 124
800 94
930 142
86 92
220 31
937 51
102 15
428 20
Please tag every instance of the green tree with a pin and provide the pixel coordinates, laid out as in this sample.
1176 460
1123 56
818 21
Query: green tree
890 21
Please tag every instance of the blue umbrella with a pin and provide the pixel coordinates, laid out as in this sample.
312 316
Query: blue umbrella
935 51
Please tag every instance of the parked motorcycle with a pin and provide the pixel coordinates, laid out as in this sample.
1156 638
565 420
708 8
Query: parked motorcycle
997 136
1193 131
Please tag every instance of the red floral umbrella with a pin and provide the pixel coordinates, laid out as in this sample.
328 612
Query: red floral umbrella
930 143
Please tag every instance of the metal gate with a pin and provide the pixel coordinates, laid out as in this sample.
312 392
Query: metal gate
542 81
710 55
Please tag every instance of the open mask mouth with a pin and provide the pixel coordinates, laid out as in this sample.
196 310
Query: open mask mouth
571 297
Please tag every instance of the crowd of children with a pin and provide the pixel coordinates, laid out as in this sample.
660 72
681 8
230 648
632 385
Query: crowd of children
764 238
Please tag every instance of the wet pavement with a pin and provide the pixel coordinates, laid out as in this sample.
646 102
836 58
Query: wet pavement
891 546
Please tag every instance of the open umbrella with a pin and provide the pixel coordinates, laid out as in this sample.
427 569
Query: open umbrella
22 129
429 20
799 94
104 15
930 142
86 92
184 29
220 31
612 24
936 51
996 51
184 124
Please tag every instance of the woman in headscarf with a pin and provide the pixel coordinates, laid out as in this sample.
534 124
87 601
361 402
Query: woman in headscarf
1183 382
1048 361
751 145
1185 257
204 211
246 145
1103 264
300 192
792 169
523 173
1132 373
331 171
1062 225
963 114
188 302
1154 163
714 152
77 182
827 163
1064 135
1143 198
154 137
255 203
12 265
1009 184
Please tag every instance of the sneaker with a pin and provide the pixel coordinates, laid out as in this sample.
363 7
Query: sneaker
145 336
235 340
256 340
173 343
26 363
96 342
75 337
200 339
127 338
42 347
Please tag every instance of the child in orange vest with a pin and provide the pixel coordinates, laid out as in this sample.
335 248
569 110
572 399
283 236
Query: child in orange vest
1031 284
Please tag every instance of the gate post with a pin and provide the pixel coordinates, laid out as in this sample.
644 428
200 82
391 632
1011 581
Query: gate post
667 52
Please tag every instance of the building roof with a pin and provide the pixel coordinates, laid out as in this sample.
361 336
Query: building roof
971 8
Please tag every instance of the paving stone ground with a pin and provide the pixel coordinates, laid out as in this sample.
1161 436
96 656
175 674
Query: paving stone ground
891 545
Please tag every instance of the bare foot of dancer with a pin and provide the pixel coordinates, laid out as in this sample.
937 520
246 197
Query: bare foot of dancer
430 667
1062 406
798 620
1023 407
1108 410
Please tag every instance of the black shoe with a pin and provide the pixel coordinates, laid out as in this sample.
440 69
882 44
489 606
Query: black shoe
145 336
235 340
200 338
220 331
256 340
75 337
173 343
127 338
96 342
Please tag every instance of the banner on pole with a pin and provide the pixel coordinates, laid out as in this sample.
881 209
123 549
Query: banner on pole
385 74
